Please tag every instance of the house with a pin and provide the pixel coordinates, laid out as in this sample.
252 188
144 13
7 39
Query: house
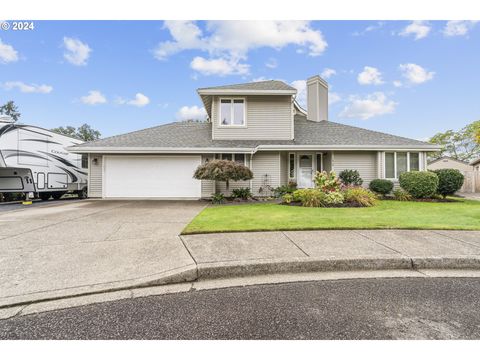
258 124
446 162
475 164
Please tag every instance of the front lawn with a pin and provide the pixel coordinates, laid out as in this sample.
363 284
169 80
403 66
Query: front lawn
459 215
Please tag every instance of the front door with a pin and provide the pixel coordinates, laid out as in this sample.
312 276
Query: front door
305 171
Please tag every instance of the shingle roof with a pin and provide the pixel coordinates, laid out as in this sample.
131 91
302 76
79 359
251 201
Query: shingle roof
257 85
199 135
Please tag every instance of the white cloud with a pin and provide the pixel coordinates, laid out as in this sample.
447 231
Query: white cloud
458 27
28 88
94 97
301 86
140 100
218 66
370 76
271 63
7 53
191 113
370 28
375 104
419 29
333 98
415 74
397 83
231 41
77 52
327 73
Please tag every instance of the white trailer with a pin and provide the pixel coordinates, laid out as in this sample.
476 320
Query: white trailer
35 160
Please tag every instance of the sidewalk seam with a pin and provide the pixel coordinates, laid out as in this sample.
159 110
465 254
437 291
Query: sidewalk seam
452 238
294 243
378 243
191 255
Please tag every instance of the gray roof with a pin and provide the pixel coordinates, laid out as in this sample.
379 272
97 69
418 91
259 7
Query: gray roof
199 135
257 85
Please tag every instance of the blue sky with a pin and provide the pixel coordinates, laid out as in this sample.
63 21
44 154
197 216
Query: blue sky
407 78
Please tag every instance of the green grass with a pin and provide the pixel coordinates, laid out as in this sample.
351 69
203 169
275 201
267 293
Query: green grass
459 215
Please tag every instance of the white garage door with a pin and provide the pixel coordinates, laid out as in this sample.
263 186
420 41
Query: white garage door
151 177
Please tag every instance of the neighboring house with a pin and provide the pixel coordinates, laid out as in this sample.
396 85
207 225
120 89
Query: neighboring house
475 164
470 183
258 124
447 162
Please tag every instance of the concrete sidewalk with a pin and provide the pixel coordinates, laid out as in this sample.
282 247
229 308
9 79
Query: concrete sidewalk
258 253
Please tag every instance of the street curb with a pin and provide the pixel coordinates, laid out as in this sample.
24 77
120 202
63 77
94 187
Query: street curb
299 265
238 269
184 274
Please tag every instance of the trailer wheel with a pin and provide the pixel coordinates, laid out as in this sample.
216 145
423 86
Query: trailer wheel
83 194
44 196
57 195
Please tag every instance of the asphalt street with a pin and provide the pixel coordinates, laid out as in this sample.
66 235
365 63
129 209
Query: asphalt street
401 308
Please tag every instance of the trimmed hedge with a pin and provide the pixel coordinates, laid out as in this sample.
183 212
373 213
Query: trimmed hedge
381 186
350 177
449 181
419 184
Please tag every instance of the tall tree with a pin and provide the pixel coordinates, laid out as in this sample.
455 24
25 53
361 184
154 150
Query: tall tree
67 130
461 145
10 109
84 132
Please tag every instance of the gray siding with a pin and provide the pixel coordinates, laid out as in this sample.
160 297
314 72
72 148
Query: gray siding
266 171
95 181
268 118
363 161
208 186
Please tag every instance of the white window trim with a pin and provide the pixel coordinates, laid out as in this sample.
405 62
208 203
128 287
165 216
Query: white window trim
294 166
395 163
231 112
233 157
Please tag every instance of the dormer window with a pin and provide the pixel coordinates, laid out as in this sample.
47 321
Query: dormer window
232 112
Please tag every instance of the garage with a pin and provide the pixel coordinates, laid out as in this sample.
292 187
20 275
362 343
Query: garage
168 177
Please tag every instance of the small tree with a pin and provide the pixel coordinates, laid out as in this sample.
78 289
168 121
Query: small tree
350 177
223 170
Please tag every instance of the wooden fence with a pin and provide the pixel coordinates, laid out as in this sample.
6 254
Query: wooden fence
471 183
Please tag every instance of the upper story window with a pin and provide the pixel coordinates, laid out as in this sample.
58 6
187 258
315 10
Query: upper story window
397 163
240 158
232 112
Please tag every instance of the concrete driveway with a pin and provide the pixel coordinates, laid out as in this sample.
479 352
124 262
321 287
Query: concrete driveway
88 246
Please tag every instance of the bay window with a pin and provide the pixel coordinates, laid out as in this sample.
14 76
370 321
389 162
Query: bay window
397 163
232 112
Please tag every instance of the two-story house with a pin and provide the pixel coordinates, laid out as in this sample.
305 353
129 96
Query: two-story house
258 124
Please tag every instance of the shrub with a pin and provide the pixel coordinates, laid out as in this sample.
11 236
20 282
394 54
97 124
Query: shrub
449 181
351 177
360 196
333 198
327 182
218 198
309 197
223 170
242 193
287 198
419 184
285 189
402 195
381 186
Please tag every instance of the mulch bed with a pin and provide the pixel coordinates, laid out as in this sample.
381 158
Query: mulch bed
344 205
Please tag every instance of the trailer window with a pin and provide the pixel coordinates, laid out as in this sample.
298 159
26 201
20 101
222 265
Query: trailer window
84 161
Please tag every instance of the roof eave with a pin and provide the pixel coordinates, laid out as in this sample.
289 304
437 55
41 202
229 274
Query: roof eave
244 92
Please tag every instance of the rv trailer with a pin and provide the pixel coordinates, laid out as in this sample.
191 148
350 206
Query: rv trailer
35 160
